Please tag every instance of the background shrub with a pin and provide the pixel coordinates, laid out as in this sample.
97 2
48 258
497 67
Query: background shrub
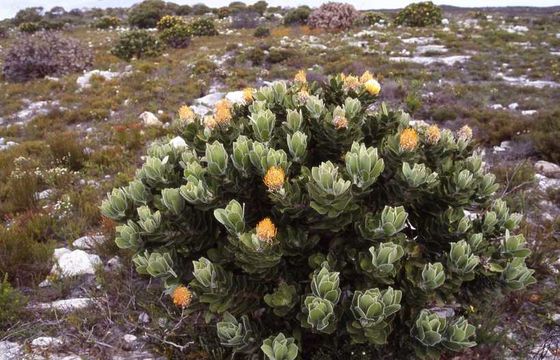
183 10
147 14
138 44
372 18
333 16
107 22
29 27
4 31
168 21
419 15
312 219
245 19
261 32
178 36
45 53
31 14
200 9
203 27
545 134
297 16
12 303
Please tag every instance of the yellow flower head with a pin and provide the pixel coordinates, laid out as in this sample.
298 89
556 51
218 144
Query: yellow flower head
182 296
340 122
248 95
301 77
210 122
274 178
223 112
266 230
302 96
433 134
186 114
372 87
465 133
408 139
351 82
366 76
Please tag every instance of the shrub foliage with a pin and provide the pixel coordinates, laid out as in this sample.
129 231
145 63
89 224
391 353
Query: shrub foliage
300 219
42 54
138 44
419 15
333 15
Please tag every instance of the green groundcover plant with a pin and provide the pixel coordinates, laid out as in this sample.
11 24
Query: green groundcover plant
306 217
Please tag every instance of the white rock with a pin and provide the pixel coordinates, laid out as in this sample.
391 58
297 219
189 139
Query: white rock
114 263
88 242
10 350
546 183
513 106
129 338
65 305
556 318
522 81
445 21
200 110
419 40
548 169
496 106
59 252
84 80
149 119
75 263
427 60
210 100
46 341
178 142
44 194
421 50
143 318
528 112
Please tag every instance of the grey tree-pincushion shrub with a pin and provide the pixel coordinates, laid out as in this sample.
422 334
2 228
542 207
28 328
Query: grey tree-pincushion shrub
301 219
334 16
43 54
419 15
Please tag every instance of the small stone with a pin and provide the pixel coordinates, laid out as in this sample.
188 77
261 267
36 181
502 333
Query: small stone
88 242
556 318
513 106
178 142
129 338
149 119
114 264
10 350
46 342
548 169
66 305
143 318
75 263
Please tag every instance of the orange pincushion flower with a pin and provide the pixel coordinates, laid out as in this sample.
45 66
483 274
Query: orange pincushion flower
266 230
186 113
408 139
351 82
366 76
340 122
210 122
182 296
301 77
465 133
248 95
433 134
274 178
223 112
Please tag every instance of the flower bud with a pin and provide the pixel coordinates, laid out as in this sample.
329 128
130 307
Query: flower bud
217 158
232 217
297 145
280 348
433 276
263 124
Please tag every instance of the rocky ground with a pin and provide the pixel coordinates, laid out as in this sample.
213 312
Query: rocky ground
500 74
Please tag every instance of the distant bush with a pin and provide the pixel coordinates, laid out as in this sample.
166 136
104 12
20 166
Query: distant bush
203 27
419 15
261 32
183 10
372 18
333 15
43 54
259 6
223 12
178 36
168 21
545 135
200 9
147 14
245 19
138 44
51 25
107 22
297 16
29 27
32 14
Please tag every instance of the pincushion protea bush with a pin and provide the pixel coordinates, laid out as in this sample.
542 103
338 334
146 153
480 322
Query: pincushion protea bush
419 15
304 219
333 15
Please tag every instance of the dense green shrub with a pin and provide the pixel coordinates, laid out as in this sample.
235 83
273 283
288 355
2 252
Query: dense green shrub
107 22
147 14
29 27
545 134
183 10
297 16
43 54
137 44
372 18
178 36
203 27
419 14
261 32
333 15
51 25
300 219
12 303
168 21
200 9
31 14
